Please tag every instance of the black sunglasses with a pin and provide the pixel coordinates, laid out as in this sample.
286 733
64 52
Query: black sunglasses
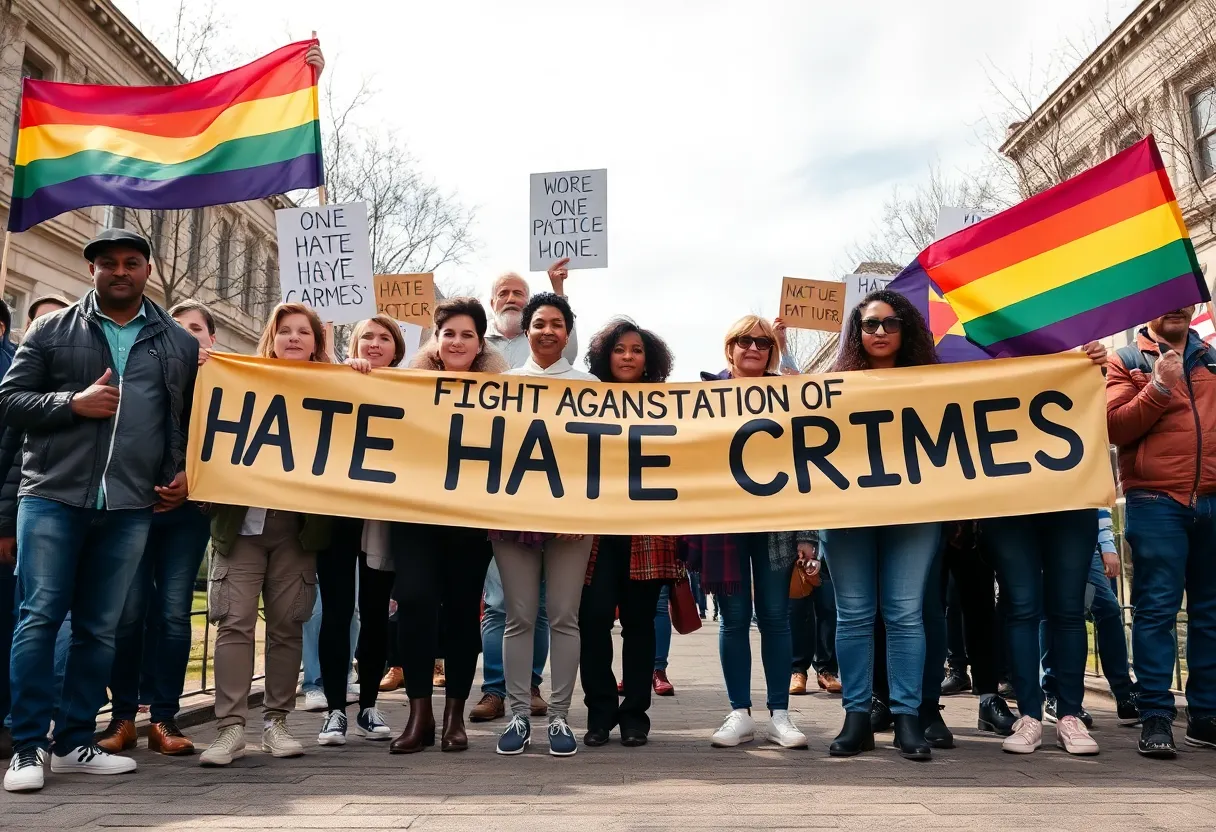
890 325
762 343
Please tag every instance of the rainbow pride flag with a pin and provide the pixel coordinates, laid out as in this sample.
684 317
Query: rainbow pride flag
952 344
1102 252
245 134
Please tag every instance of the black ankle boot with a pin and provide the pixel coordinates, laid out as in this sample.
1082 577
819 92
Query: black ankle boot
937 734
909 738
854 738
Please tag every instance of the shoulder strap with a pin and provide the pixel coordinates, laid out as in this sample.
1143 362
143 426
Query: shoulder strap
1133 358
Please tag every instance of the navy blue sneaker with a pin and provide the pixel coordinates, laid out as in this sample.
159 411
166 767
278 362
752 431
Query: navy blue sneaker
517 737
561 739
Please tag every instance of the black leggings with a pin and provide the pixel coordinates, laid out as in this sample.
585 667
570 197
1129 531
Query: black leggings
336 578
439 567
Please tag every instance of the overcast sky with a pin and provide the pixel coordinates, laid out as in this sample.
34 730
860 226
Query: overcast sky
743 141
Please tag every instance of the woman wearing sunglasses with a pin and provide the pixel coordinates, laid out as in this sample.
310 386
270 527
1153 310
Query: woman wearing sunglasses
882 567
732 565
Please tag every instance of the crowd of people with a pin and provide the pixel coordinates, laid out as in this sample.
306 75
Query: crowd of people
101 547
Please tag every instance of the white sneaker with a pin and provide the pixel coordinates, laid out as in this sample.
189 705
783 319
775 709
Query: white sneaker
783 731
739 727
333 729
1072 736
1026 738
90 759
277 741
314 700
228 746
26 773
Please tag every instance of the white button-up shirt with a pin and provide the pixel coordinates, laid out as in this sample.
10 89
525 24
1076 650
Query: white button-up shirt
559 369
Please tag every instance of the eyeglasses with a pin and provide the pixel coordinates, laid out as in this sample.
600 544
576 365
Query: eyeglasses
762 343
890 325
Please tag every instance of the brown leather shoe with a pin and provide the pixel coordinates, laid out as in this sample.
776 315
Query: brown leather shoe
539 706
419 731
119 736
829 682
393 679
490 707
455 738
166 738
798 684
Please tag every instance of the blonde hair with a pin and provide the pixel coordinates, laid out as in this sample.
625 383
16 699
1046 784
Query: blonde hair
266 342
742 327
394 331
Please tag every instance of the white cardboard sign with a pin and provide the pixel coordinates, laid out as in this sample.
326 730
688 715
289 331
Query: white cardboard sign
951 219
325 261
412 333
857 286
569 218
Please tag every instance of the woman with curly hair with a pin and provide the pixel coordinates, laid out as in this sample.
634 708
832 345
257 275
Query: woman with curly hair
625 573
882 567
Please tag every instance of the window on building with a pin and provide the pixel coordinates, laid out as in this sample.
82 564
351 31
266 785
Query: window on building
196 243
16 301
223 275
247 275
29 69
158 235
1126 140
1203 124
115 217
270 291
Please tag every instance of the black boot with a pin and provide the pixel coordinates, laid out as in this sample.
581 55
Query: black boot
937 734
909 739
995 716
854 738
880 716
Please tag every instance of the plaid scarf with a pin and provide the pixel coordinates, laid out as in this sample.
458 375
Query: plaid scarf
651 558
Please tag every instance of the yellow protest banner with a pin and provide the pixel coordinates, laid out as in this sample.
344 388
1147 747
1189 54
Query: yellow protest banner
1016 436
812 304
406 297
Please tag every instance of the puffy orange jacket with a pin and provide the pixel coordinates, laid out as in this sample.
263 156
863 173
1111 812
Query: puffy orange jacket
1166 443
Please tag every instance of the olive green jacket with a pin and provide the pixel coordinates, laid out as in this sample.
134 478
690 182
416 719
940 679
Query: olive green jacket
226 524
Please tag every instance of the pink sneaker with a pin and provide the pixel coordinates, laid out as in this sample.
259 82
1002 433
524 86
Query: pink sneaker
1026 738
1073 738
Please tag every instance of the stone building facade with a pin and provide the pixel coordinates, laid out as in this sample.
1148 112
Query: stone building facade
224 256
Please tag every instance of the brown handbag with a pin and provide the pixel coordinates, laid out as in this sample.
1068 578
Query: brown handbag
802 584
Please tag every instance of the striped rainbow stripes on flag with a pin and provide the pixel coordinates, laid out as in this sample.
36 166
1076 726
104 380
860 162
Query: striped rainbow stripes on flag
1102 252
246 134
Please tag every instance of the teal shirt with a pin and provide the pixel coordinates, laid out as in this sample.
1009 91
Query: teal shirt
121 340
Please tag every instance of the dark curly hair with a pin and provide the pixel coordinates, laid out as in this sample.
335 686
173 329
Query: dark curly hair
451 307
547 299
659 359
915 343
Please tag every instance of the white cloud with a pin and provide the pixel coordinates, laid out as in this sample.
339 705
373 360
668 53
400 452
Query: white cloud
743 142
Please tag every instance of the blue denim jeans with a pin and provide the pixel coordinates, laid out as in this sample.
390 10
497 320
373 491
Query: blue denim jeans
77 559
772 591
881 569
662 628
1108 630
1042 562
154 632
312 644
1173 550
63 645
494 625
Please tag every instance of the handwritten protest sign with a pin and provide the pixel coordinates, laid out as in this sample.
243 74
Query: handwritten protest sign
325 260
412 333
406 297
569 219
812 304
857 286
951 219
928 444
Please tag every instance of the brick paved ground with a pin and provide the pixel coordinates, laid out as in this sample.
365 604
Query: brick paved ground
677 781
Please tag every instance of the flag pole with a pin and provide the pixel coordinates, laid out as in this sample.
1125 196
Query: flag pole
8 236
330 349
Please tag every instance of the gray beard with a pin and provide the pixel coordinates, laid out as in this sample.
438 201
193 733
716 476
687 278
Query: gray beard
508 322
